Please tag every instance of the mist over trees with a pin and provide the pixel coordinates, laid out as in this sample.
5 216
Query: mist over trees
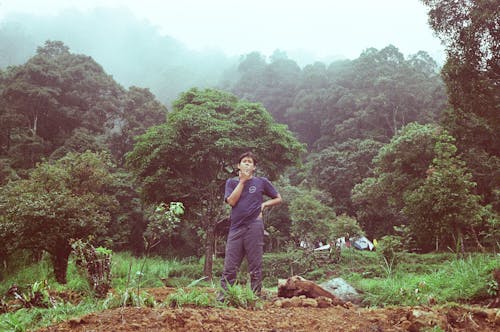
133 51
380 144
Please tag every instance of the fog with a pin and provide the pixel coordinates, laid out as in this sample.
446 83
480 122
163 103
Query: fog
171 46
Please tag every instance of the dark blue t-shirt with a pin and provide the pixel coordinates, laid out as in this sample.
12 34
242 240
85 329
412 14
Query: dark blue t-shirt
248 207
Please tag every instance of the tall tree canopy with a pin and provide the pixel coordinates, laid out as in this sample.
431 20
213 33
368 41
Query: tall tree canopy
46 99
419 181
59 102
187 158
471 32
369 97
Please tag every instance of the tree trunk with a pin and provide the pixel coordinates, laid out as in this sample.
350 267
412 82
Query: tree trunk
60 262
209 250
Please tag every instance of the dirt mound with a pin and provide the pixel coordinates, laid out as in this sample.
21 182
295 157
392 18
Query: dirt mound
275 317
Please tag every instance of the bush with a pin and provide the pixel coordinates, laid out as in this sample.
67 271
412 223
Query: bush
96 265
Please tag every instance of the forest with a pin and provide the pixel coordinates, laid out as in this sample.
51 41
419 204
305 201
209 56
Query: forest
389 146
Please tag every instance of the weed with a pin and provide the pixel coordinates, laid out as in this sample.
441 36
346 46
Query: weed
128 297
241 297
194 296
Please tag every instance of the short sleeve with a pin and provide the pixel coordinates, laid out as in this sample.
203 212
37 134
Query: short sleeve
230 185
269 189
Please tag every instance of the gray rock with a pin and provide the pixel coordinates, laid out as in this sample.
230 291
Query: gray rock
340 288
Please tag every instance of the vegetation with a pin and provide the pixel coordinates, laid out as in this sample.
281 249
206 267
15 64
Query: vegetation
61 200
384 145
416 279
194 153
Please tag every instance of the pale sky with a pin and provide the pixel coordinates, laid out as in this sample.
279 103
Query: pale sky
320 27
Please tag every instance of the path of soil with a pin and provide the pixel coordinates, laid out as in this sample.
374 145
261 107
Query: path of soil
276 317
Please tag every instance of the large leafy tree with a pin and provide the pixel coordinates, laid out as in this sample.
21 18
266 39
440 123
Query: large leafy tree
61 200
471 32
370 97
273 84
187 158
399 167
50 96
140 111
445 207
419 181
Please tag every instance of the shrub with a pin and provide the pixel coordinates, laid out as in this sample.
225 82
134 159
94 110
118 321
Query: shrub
96 262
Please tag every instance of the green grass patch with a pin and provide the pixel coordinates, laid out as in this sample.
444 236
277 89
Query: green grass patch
456 280
34 318
241 296
197 297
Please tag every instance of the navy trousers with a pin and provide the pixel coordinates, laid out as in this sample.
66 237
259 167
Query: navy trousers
248 241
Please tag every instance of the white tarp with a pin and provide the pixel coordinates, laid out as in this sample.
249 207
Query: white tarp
362 243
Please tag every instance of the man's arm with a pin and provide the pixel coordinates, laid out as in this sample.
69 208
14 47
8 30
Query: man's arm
235 195
275 201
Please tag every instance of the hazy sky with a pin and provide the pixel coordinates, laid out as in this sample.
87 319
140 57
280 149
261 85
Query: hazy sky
320 27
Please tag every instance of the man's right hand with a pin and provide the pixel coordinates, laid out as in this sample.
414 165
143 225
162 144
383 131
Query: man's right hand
245 175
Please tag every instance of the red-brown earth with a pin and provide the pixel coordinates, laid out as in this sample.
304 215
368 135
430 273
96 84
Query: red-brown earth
296 314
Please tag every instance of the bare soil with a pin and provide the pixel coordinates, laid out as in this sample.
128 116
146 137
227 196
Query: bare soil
296 314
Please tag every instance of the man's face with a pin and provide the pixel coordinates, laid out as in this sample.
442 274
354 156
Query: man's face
247 165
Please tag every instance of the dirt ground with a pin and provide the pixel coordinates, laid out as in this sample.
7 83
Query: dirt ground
296 314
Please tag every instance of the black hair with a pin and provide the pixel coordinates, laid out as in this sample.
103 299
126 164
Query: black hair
249 155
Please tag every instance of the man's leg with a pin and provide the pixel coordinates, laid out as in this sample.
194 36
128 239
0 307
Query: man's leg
234 256
254 247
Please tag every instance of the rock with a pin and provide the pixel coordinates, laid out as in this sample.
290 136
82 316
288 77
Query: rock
287 303
494 317
421 319
324 302
309 303
341 289
298 286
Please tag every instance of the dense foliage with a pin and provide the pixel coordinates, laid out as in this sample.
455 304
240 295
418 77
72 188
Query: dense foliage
471 32
189 157
420 182
61 200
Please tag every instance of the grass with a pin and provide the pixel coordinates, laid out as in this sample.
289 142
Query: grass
241 296
24 319
413 279
456 280
191 297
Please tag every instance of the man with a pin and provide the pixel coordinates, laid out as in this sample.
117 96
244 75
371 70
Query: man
245 194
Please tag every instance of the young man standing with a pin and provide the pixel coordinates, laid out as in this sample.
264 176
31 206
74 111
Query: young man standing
245 194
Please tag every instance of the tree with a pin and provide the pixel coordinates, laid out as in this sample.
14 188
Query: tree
187 159
312 221
346 226
337 169
399 167
141 110
471 32
61 200
45 100
420 182
273 84
444 207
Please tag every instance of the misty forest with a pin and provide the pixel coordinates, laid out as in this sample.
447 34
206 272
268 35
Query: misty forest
116 141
